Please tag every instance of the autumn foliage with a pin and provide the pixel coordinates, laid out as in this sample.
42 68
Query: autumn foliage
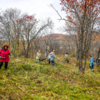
80 8
82 17
26 18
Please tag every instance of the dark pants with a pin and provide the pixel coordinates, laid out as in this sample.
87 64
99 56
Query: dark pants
6 64
67 60
49 61
92 67
53 63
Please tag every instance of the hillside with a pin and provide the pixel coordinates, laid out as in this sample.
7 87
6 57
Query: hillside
26 80
57 37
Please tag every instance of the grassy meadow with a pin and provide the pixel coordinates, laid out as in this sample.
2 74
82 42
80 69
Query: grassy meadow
26 80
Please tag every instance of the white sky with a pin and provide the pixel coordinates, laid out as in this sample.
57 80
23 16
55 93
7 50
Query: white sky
39 7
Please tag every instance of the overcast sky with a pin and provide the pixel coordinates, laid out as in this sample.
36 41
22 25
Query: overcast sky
39 7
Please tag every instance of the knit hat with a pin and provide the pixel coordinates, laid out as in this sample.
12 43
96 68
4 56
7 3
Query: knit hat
90 55
5 46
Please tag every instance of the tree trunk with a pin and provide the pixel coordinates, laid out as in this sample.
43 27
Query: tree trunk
84 65
98 54
80 54
80 63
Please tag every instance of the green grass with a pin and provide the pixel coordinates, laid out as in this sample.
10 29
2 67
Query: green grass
26 80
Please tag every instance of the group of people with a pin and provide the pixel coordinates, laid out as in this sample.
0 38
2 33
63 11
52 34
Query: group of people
5 52
51 57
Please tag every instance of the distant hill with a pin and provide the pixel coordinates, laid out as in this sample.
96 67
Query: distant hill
56 37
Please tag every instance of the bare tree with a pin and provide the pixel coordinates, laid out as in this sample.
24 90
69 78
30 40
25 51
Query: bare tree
30 29
8 26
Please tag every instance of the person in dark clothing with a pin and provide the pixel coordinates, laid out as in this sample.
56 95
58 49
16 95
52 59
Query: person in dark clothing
4 56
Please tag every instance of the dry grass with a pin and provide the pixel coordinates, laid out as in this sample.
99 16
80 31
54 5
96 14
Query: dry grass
26 80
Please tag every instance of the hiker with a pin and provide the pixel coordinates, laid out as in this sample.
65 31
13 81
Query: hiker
66 58
52 57
91 63
98 62
4 54
38 56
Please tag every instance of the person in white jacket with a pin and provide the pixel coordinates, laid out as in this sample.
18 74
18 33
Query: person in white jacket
51 57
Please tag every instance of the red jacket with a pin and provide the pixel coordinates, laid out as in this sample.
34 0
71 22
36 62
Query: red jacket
5 54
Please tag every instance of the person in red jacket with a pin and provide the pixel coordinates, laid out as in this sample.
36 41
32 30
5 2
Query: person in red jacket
4 54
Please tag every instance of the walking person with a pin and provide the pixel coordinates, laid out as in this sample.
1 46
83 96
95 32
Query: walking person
4 54
52 57
92 63
38 56
66 58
